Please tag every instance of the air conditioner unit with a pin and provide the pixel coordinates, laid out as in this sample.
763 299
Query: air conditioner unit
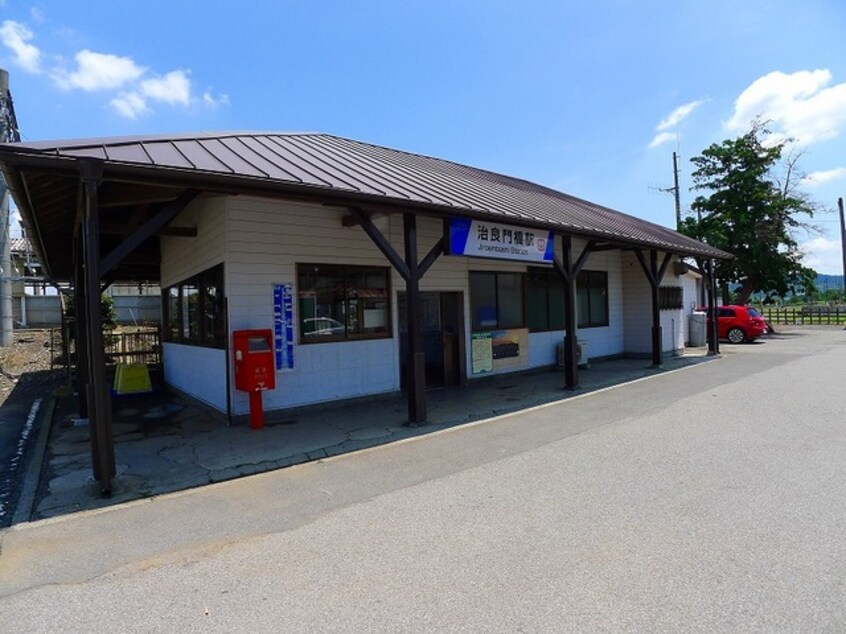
581 354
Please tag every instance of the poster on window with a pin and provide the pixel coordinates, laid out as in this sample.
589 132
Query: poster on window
498 350
481 352
283 326
477 238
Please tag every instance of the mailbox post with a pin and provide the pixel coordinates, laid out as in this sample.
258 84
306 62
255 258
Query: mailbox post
254 368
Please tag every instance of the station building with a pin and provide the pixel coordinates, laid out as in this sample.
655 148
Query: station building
375 270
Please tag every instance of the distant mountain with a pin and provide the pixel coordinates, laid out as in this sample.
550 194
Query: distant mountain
825 282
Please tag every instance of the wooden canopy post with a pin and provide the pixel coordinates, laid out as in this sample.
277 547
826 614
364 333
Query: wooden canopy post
570 272
655 274
80 327
417 358
412 272
99 405
709 270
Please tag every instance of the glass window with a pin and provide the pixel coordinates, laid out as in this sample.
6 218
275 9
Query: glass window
191 311
496 300
194 310
670 298
592 298
342 302
545 300
483 300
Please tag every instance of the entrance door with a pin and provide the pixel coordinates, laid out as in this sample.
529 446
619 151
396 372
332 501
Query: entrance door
442 329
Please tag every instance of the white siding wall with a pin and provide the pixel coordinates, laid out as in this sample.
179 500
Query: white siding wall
198 371
267 239
608 340
262 241
184 257
690 299
638 311
452 274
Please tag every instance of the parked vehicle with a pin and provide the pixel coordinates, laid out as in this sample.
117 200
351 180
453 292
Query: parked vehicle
739 323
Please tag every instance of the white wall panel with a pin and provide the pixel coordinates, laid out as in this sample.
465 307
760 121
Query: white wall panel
199 372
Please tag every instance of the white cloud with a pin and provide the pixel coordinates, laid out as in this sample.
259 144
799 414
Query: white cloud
129 105
679 114
173 88
99 71
661 138
818 178
823 255
131 90
800 105
213 102
16 36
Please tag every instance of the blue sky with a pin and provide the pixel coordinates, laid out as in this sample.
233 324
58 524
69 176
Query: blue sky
590 98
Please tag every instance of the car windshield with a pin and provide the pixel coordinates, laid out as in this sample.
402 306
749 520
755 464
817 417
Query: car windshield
753 312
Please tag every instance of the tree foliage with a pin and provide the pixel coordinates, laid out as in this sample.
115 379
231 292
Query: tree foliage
752 209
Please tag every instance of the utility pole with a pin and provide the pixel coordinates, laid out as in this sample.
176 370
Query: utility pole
842 242
8 133
674 190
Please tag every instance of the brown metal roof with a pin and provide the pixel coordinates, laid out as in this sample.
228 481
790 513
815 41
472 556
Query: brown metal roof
329 169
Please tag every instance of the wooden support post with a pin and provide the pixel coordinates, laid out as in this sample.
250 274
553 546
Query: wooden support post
99 405
80 331
411 271
657 332
571 363
654 274
417 358
714 343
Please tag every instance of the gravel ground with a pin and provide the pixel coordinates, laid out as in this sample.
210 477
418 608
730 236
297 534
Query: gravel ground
26 364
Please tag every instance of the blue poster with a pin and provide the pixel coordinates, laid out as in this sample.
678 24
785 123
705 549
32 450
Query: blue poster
283 326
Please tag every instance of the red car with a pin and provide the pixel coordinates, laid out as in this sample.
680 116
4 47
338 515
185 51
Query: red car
739 323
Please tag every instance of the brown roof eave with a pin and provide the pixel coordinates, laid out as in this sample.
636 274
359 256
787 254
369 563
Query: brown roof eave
245 185
19 192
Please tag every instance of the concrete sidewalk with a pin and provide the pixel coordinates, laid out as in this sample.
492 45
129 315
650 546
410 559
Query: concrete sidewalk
165 442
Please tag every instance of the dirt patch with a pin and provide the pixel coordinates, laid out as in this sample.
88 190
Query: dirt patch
28 366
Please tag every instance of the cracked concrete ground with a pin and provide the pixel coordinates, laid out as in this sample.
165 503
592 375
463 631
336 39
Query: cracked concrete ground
165 442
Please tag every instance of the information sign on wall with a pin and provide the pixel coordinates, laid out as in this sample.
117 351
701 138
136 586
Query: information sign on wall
283 326
477 238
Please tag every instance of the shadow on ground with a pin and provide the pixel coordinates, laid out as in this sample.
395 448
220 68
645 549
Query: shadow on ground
165 442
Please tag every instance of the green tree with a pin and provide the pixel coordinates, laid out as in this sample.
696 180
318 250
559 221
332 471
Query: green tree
752 212
108 316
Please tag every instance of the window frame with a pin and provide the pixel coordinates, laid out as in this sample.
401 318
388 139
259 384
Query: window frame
584 280
545 280
346 273
201 282
474 322
670 298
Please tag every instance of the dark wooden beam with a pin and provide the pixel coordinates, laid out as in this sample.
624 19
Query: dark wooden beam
99 405
147 230
381 242
113 229
434 253
416 383
123 194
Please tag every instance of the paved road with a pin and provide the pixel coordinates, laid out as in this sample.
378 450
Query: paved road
709 499
17 437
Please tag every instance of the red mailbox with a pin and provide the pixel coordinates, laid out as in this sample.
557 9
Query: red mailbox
254 369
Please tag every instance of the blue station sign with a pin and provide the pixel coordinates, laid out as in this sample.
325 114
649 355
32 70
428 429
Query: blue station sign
477 238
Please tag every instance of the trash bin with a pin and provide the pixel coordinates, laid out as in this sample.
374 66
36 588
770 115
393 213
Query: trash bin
696 331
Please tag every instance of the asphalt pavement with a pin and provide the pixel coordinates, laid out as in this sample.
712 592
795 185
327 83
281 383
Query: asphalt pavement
707 499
